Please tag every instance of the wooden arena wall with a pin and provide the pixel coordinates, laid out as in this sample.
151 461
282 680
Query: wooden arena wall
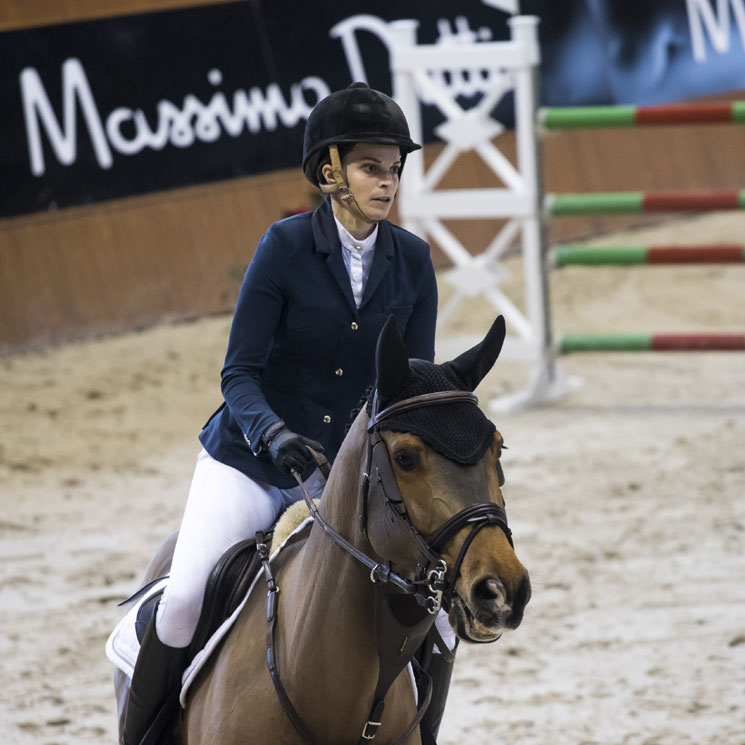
129 263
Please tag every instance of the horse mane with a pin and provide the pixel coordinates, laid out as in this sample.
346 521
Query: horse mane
345 473
365 399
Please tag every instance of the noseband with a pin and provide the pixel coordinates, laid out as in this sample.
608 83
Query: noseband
431 587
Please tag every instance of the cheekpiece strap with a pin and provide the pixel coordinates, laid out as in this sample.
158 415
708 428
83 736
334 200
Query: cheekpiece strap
341 186
339 180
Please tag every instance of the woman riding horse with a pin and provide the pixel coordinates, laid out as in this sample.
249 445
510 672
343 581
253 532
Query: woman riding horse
301 353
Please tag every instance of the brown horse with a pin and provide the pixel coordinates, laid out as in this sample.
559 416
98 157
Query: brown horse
396 505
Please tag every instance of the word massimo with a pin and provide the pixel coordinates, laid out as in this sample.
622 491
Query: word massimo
128 131
180 126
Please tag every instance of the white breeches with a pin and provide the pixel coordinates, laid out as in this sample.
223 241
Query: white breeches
224 507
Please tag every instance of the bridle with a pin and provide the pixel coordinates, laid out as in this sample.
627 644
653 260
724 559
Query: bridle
430 586
379 473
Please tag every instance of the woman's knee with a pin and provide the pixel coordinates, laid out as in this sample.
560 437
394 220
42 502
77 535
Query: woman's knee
177 617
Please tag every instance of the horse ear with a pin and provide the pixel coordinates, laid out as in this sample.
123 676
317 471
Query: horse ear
473 365
391 360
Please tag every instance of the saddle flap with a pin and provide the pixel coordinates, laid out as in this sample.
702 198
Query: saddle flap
226 587
145 614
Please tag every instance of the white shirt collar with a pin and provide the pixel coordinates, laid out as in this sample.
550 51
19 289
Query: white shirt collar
351 243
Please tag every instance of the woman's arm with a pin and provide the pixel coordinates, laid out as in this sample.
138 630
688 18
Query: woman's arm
420 330
257 316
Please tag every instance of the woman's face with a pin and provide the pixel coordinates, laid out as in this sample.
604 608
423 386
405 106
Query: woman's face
372 175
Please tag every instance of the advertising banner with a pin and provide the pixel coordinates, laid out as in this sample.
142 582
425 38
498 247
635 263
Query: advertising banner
109 108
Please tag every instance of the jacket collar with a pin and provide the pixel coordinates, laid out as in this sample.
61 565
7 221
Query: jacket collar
326 239
326 236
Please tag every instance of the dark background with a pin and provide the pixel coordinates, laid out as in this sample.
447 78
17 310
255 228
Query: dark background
594 51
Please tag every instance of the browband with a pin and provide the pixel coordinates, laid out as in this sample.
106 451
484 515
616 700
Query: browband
415 402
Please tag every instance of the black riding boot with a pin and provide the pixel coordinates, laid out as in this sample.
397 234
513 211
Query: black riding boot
440 670
153 695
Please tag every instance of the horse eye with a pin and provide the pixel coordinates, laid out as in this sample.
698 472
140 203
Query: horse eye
405 460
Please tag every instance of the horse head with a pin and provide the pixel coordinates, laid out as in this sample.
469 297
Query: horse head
435 485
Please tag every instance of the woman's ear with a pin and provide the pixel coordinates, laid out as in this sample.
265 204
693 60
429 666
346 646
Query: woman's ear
326 174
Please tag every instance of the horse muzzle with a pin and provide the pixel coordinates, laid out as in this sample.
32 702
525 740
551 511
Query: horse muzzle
489 609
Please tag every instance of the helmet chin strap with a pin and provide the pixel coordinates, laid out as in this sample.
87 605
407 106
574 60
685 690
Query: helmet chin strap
341 187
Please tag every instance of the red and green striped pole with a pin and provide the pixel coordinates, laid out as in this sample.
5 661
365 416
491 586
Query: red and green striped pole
595 117
582 255
573 343
636 202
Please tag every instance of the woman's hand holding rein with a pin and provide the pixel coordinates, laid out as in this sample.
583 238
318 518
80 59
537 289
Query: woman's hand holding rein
289 450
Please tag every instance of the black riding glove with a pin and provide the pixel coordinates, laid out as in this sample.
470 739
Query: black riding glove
289 451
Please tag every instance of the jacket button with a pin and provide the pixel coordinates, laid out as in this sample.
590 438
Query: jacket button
339 371
327 419
354 326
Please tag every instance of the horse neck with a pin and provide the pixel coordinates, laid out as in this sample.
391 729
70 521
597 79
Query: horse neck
340 583
341 493
327 621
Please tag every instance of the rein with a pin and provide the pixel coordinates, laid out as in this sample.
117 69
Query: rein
429 588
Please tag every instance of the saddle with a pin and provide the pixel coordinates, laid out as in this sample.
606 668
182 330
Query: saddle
229 581
227 585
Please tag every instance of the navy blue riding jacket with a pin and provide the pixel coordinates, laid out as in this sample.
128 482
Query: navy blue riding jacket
300 350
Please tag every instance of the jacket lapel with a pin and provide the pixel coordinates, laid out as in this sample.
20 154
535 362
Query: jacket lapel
381 261
335 263
326 238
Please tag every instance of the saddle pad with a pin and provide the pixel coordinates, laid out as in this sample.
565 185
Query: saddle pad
122 646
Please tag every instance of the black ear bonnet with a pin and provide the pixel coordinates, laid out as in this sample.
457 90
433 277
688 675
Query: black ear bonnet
458 431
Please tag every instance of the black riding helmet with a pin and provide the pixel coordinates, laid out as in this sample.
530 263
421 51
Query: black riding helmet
356 114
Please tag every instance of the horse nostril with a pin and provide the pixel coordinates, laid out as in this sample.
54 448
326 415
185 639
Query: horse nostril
491 593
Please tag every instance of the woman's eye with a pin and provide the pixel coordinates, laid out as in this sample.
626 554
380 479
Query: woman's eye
405 461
